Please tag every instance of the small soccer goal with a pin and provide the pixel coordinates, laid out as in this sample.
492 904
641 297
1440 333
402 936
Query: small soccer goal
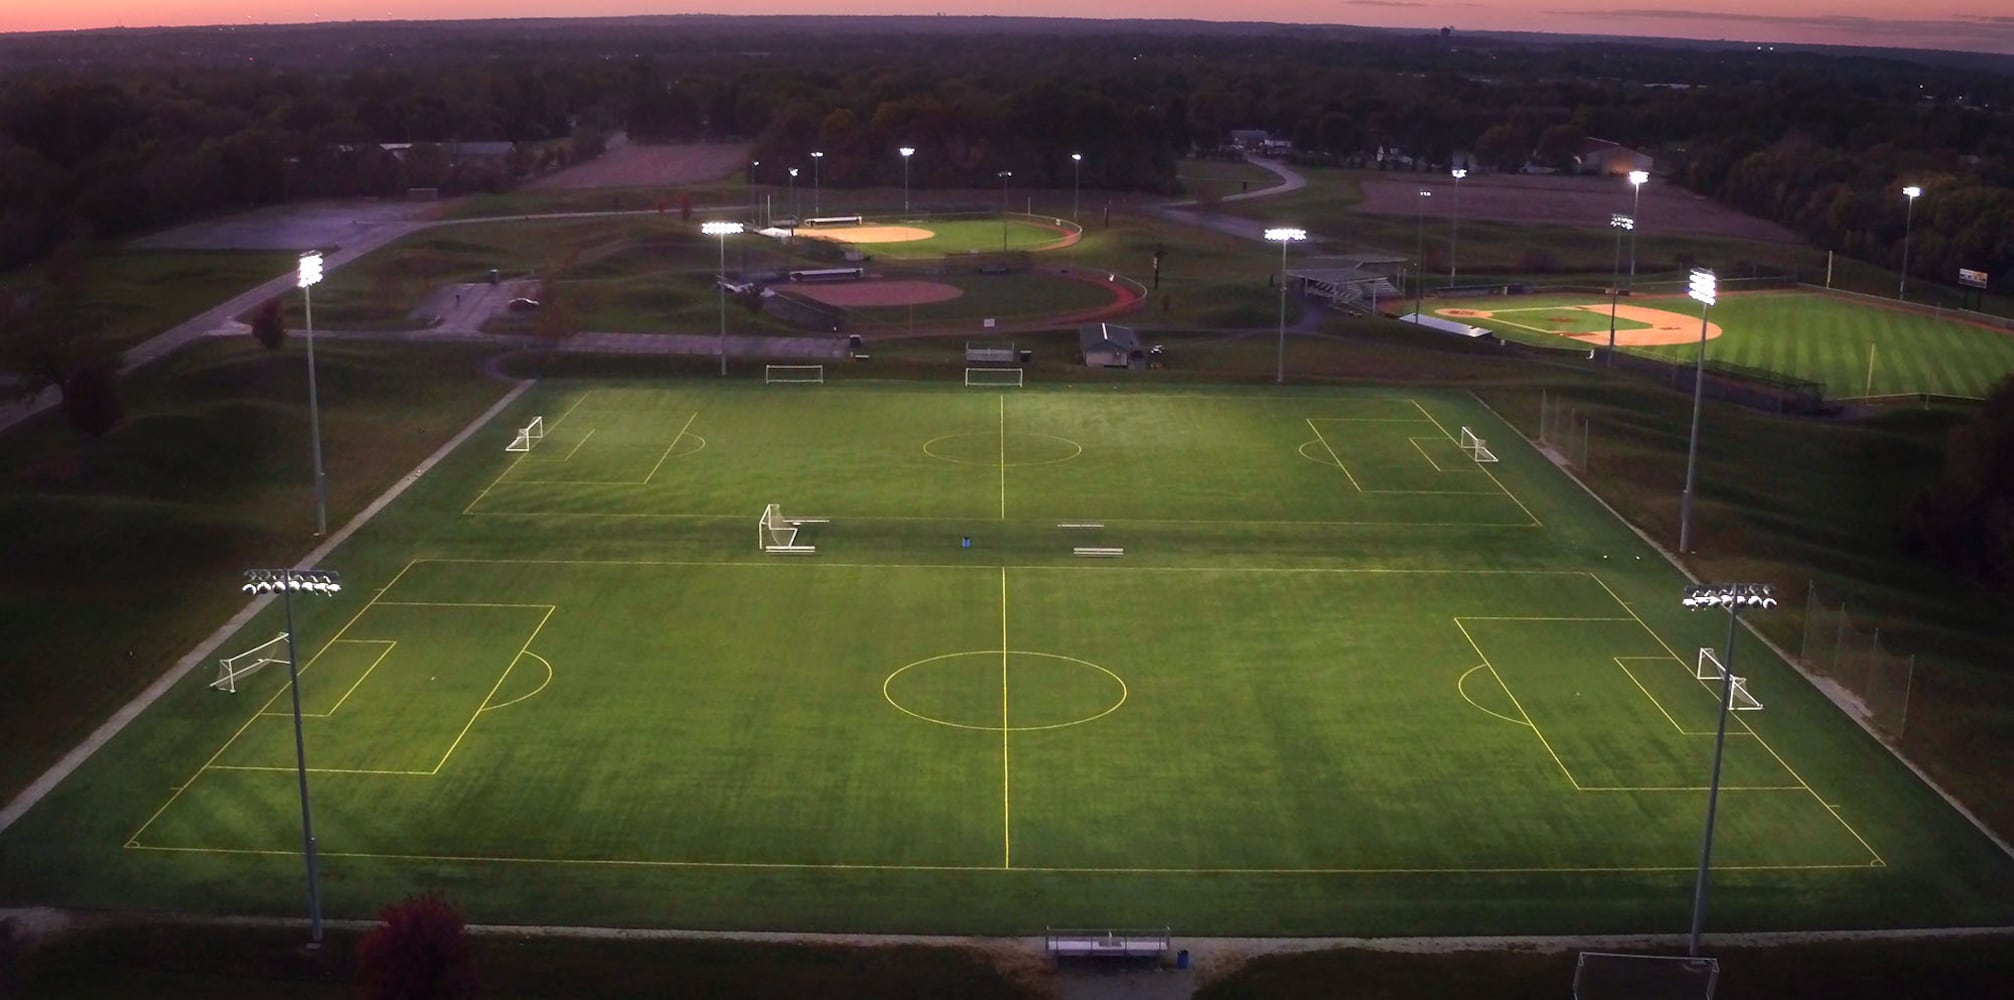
993 377
777 533
230 668
1475 447
528 435
788 374
1709 669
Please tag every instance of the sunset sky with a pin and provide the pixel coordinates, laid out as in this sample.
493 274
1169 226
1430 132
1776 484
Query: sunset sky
1978 25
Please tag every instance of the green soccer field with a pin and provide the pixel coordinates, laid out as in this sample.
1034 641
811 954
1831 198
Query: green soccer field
1855 349
1344 678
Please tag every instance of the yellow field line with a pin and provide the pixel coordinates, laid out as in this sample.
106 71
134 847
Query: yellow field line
1834 813
1003 456
1050 870
542 685
1519 705
668 448
1462 690
318 770
1535 522
1332 453
389 644
133 841
522 650
577 444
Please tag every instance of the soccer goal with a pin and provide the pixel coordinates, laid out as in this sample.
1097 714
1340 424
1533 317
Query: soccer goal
1709 669
777 533
230 668
993 377
1476 447
528 435
774 374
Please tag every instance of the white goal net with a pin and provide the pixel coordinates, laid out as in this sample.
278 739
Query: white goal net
1709 669
528 435
777 533
265 654
996 377
1475 447
773 374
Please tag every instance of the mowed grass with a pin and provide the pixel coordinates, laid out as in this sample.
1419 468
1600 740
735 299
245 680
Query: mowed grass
956 236
1853 348
1344 680
127 296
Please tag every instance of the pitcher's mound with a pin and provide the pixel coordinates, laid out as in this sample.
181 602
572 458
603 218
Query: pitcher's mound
880 293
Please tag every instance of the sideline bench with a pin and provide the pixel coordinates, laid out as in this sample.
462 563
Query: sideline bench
1099 551
1107 944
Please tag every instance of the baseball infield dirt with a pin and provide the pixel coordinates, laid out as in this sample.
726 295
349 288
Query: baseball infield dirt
867 234
1663 328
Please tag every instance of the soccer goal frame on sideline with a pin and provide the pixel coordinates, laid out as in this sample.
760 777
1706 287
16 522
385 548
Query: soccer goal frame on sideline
1475 447
993 378
230 668
1709 668
776 533
528 435
793 374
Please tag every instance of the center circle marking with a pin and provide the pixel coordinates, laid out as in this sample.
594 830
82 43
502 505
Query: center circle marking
987 443
992 665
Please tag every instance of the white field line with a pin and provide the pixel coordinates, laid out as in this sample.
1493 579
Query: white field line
204 650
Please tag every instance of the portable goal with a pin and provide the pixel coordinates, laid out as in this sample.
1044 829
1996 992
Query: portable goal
777 532
1710 669
774 374
1599 975
993 377
230 668
528 435
1475 447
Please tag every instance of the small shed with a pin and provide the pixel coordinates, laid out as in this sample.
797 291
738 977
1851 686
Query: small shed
1107 345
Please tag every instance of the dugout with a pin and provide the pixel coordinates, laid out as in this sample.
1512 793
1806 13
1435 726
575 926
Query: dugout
1106 345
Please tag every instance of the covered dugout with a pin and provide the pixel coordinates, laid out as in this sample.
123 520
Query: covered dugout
1357 281
1106 345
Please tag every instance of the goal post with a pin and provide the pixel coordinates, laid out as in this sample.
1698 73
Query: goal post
777 532
786 374
993 378
265 654
1475 447
528 435
1709 668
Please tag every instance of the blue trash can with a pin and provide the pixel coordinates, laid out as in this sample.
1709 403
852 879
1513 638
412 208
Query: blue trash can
1182 959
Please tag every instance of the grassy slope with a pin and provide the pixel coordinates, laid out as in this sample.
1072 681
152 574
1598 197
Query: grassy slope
208 475
131 295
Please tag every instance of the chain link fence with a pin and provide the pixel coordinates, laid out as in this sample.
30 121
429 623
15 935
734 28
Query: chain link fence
1563 431
1854 659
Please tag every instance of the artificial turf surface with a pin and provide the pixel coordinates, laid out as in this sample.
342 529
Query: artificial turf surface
1343 680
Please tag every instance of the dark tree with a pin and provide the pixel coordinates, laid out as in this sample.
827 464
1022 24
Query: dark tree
1965 519
269 324
418 951
91 398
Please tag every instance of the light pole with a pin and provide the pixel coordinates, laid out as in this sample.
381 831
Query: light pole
722 230
1636 182
1733 597
1076 183
1283 237
1420 252
793 195
287 582
1703 289
815 157
1912 192
309 276
907 152
1005 176
1455 223
1621 224
754 200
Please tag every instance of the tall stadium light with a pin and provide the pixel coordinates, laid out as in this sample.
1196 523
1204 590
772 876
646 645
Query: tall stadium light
1076 182
1455 223
793 194
815 157
1621 224
1420 252
1005 176
1703 290
287 583
1733 597
1912 192
310 275
754 202
1637 178
722 230
907 152
1283 237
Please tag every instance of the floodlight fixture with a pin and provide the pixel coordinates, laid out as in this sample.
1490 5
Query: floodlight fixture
1621 221
1639 177
722 228
310 271
1912 192
286 581
1283 235
1458 173
1703 286
1733 597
